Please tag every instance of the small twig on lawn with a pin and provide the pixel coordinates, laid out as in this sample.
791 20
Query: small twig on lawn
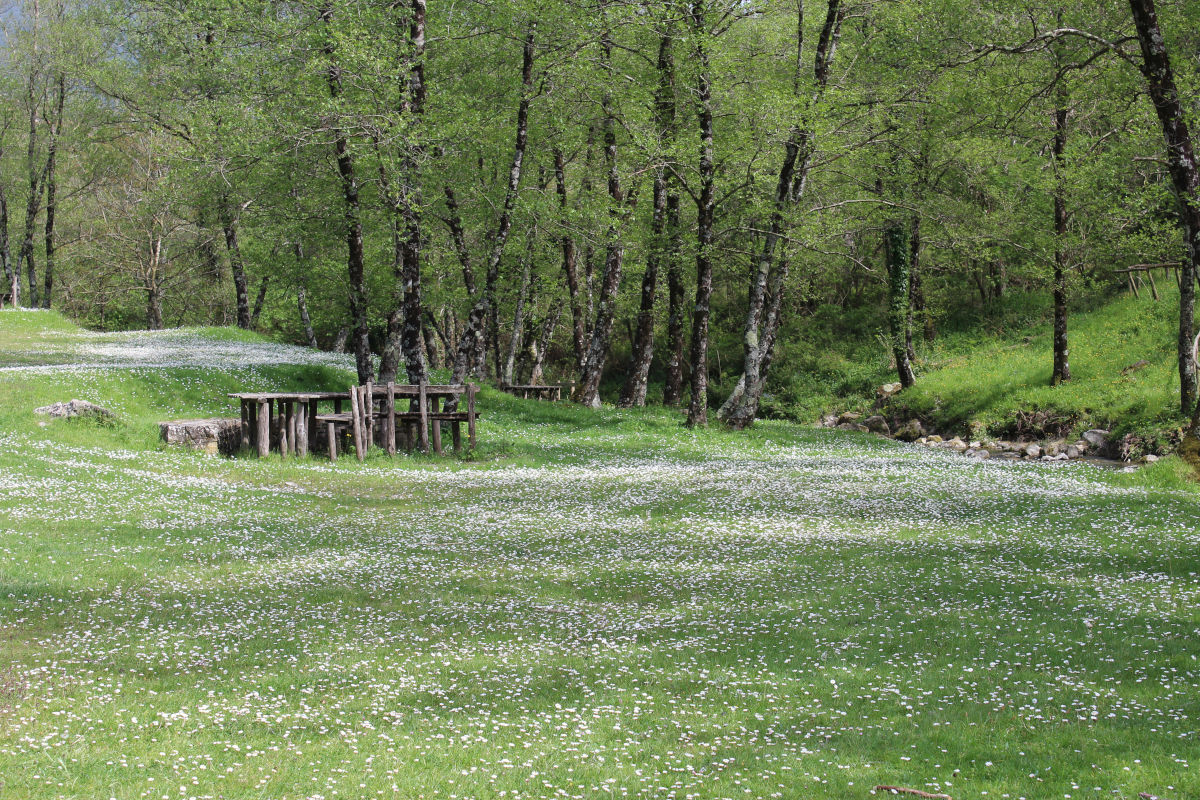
916 792
1148 796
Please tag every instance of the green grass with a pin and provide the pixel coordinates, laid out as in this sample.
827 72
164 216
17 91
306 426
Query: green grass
997 369
593 604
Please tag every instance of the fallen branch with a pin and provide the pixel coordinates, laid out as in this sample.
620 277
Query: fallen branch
1148 796
914 792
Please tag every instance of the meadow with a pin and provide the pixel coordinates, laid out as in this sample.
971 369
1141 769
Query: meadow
592 604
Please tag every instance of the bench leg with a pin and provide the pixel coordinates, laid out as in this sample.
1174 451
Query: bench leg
302 429
245 424
456 436
264 429
436 427
292 428
331 430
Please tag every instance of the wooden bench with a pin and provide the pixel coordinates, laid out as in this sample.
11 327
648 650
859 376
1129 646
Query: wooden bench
413 425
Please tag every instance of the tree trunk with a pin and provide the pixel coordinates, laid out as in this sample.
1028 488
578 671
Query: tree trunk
536 376
588 391
758 335
1185 178
676 301
51 181
705 214
633 393
154 316
898 266
355 259
914 286
33 202
240 282
11 276
570 261
410 335
310 337
472 345
259 301
1062 369
518 327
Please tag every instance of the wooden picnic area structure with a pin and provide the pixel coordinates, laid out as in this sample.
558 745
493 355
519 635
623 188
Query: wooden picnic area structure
367 414
536 391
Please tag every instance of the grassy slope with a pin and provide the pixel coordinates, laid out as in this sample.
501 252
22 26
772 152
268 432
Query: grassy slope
607 605
992 371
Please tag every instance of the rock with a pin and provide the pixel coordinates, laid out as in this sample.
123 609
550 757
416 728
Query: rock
848 417
212 436
1032 451
1073 451
983 455
934 439
1150 459
1056 447
976 445
888 389
957 444
829 421
1060 457
1135 366
919 440
877 424
75 408
1097 438
853 426
911 431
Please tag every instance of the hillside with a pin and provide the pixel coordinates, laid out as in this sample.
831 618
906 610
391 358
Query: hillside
992 374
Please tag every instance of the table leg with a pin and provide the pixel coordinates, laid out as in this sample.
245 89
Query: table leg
390 433
434 403
245 423
264 428
423 408
302 429
369 412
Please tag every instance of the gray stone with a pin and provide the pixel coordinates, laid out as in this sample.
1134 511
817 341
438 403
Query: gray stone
957 445
1097 438
911 431
75 408
983 455
829 421
889 389
1150 459
877 424
848 417
934 439
1032 451
1073 451
211 436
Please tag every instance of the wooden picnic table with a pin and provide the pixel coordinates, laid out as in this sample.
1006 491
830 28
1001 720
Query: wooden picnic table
535 390
293 424
291 418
